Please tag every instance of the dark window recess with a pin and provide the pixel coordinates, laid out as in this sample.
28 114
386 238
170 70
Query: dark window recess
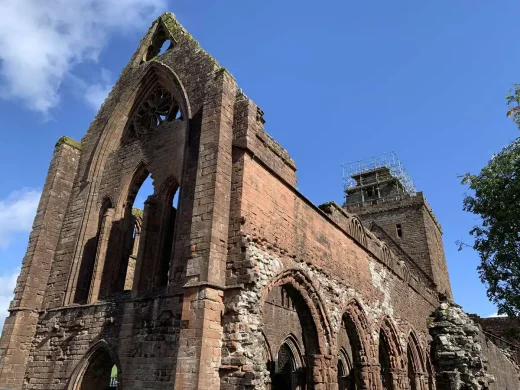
370 192
399 230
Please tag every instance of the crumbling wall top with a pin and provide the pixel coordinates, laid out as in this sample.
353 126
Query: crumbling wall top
69 141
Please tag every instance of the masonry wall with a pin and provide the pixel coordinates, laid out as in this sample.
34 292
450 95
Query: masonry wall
281 320
243 235
282 232
504 332
96 169
107 162
501 367
464 356
305 235
143 333
421 233
436 250
20 326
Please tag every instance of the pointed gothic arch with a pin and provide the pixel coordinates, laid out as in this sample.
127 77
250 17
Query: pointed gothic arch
152 268
345 367
288 373
357 231
302 284
155 75
386 254
160 98
94 253
390 355
358 332
311 325
431 372
415 362
94 370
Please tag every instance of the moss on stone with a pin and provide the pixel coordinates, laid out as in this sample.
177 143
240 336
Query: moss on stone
172 26
223 70
69 141
168 20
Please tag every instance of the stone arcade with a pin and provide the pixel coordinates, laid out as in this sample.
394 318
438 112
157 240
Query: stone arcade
244 284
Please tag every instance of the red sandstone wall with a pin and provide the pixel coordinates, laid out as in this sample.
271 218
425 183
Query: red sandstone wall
20 326
437 256
279 217
144 334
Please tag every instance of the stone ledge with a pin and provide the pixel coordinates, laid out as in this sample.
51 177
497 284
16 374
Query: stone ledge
68 141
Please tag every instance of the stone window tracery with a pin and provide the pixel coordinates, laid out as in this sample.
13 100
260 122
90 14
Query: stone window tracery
158 108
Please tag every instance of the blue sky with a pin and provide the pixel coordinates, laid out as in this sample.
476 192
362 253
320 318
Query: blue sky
338 81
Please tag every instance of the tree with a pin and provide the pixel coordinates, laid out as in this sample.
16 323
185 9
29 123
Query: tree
496 200
513 98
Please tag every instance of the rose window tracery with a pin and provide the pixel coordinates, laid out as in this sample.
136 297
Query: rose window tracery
159 107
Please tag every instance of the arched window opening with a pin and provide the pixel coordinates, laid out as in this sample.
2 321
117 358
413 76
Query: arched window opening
411 369
384 362
159 45
101 373
286 312
351 354
416 366
287 373
167 44
157 238
170 218
160 106
94 254
134 228
346 379
117 246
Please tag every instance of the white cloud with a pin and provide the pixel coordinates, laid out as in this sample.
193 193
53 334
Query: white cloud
96 93
497 315
42 41
7 285
17 213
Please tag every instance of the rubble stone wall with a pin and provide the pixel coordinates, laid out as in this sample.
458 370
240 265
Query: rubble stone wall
464 357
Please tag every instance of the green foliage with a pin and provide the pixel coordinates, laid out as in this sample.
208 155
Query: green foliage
496 200
137 212
513 98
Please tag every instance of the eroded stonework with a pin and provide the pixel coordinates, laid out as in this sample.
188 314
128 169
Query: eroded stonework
229 278
460 354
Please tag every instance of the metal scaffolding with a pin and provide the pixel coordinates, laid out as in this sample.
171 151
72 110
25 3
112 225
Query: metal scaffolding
388 160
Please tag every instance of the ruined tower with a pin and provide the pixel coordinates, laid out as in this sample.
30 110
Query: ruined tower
382 194
243 284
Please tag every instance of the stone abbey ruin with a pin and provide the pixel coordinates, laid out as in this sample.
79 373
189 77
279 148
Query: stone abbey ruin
242 283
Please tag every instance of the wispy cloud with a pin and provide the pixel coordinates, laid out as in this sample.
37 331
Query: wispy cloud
17 212
42 41
496 315
94 94
7 285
